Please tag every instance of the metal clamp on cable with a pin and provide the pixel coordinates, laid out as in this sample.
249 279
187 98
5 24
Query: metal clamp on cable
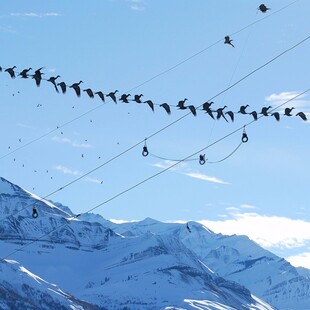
202 159
244 138
35 213
145 151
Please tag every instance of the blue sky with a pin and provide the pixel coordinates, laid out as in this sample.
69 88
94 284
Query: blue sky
149 47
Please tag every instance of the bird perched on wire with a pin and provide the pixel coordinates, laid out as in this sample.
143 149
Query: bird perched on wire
24 73
89 92
254 114
220 113
100 94
302 115
112 95
228 40
181 103
137 98
124 98
263 8
37 76
288 111
276 115
242 109
192 109
11 72
53 79
63 87
265 111
76 87
150 104
166 107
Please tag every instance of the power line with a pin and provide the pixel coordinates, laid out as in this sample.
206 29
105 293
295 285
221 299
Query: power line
174 122
153 176
149 80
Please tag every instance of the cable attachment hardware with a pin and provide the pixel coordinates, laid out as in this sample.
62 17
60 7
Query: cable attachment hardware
202 159
145 151
244 138
35 213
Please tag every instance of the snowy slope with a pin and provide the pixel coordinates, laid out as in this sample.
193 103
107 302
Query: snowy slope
236 258
21 289
149 266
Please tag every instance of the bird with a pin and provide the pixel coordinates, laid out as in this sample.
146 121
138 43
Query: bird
220 113
112 95
263 8
207 105
63 87
38 76
302 115
166 107
276 115
192 109
242 109
228 40
181 103
89 92
137 98
11 72
150 104
52 79
187 227
254 114
124 98
76 87
265 110
288 111
231 115
24 73
100 94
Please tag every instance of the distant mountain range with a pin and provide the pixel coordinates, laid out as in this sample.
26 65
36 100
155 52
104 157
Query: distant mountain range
58 261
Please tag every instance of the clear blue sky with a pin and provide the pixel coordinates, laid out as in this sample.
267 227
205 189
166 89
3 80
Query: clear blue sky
263 188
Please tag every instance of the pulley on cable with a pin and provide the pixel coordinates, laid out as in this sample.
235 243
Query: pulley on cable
145 151
244 138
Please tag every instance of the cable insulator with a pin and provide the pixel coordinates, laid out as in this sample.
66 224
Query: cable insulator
35 213
244 138
202 159
145 151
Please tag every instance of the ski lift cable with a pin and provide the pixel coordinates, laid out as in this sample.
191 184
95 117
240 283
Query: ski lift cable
145 82
148 179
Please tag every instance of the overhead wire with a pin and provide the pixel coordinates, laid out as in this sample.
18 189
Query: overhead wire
151 177
149 80
172 123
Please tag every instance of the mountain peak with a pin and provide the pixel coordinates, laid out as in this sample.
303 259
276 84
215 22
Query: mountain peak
8 188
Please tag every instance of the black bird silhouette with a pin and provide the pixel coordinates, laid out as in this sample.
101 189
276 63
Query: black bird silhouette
231 115
11 72
228 40
124 98
242 109
63 87
53 79
112 95
137 98
220 113
76 87
263 8
254 114
100 94
288 111
89 92
38 76
187 227
302 115
265 110
181 103
150 103
192 109
276 115
166 107
24 73
207 105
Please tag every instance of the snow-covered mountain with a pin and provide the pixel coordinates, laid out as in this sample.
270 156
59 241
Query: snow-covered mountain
144 265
